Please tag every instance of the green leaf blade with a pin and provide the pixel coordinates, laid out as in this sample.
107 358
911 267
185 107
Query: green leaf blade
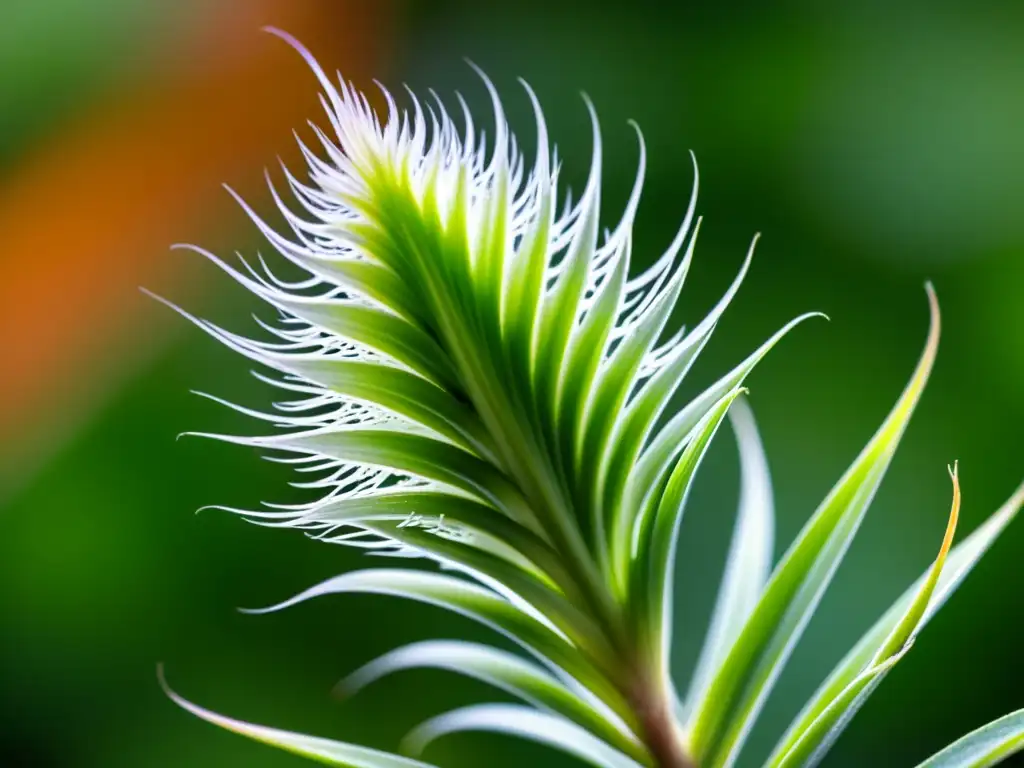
670 439
510 673
958 564
749 561
534 633
523 722
406 452
984 747
723 718
654 568
324 751
821 723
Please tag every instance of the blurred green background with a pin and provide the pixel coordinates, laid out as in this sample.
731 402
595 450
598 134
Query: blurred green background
875 144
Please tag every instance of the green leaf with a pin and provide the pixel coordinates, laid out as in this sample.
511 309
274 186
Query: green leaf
483 528
361 276
533 632
820 724
749 561
374 281
586 352
616 380
671 438
397 390
591 339
509 578
380 330
638 418
984 747
525 282
561 304
958 564
523 722
509 673
404 452
321 750
656 552
495 238
724 716
822 732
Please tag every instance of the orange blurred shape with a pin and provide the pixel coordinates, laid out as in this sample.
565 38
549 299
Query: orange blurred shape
88 218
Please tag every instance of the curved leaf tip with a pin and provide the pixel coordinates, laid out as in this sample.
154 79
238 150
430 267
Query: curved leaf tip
321 750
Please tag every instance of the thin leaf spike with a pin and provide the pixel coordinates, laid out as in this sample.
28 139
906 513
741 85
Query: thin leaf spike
477 381
958 563
320 750
748 564
988 745
722 719
510 673
820 725
525 723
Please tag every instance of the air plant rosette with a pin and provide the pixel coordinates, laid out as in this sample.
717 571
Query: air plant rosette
479 387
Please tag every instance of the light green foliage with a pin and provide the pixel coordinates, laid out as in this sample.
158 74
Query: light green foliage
986 746
483 386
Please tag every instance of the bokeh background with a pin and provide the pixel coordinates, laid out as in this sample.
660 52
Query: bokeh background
875 144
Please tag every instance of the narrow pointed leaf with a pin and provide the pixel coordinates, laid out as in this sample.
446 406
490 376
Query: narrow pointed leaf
523 722
508 672
525 279
590 341
822 732
667 442
489 266
749 560
432 509
671 439
958 565
374 281
616 378
411 453
586 352
321 750
984 747
479 604
561 304
500 573
399 391
644 409
394 389
380 330
655 562
723 718
820 724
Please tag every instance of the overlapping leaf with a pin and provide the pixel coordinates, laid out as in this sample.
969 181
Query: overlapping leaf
938 583
749 561
821 723
481 383
722 718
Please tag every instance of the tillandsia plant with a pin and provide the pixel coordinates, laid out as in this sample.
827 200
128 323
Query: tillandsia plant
481 384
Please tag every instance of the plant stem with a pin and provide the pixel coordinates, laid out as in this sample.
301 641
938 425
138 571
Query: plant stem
658 725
